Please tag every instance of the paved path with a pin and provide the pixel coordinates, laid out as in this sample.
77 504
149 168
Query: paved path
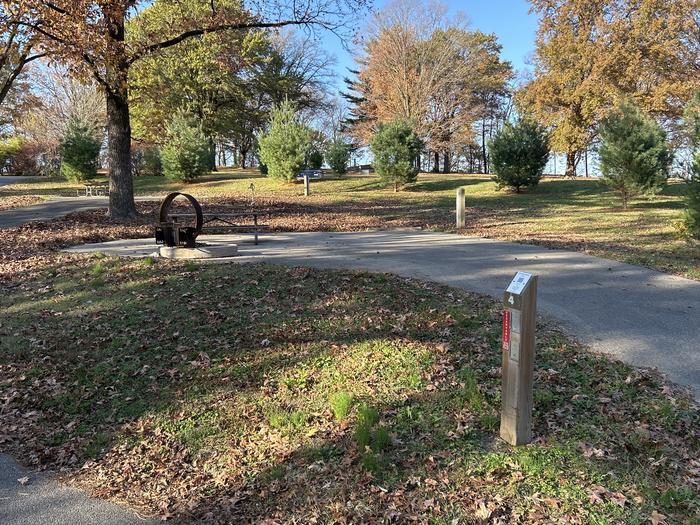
54 208
46 502
644 317
7 180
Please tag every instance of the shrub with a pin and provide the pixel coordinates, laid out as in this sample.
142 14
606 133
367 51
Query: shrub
80 152
519 153
338 156
186 155
396 148
19 156
634 154
284 147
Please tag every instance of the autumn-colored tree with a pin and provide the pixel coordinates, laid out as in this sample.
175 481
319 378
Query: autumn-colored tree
592 53
18 46
570 91
655 49
92 37
419 66
470 88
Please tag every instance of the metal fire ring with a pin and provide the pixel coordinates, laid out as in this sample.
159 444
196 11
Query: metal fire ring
167 202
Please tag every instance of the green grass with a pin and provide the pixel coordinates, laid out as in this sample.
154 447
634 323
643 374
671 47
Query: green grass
290 392
580 215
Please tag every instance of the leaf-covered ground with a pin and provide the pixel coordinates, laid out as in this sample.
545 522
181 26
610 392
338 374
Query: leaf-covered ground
263 394
580 215
19 201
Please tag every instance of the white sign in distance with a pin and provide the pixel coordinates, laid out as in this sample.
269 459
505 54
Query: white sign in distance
517 285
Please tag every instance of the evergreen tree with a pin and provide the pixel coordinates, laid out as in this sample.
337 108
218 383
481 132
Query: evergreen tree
186 155
691 217
634 154
396 148
314 159
283 149
338 156
80 153
519 154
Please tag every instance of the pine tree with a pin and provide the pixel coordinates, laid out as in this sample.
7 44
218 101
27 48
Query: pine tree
519 154
186 155
283 149
338 156
634 153
80 153
396 148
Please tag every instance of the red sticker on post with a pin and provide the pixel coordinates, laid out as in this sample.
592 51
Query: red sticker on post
506 329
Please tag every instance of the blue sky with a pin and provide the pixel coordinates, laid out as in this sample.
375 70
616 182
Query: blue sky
508 19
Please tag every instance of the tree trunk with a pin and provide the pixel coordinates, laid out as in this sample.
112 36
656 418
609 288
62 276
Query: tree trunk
121 184
446 164
243 154
212 154
570 164
436 163
222 155
586 157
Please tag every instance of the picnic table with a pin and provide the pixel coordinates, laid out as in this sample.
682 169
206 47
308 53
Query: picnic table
182 229
96 189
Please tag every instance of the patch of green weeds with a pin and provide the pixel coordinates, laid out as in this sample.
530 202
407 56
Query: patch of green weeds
341 403
287 421
372 439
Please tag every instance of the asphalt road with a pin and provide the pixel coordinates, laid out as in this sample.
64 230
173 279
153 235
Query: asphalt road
6 180
641 316
43 501
55 207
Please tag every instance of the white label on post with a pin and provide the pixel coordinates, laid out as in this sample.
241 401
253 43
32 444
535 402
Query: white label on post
517 285
515 321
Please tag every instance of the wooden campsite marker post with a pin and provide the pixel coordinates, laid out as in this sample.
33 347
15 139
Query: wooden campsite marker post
307 190
519 317
461 220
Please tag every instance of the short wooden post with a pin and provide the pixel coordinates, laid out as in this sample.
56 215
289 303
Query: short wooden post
307 189
255 226
461 219
519 321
